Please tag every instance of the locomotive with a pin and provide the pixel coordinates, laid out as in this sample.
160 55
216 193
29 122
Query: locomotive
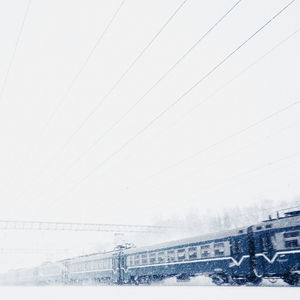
270 249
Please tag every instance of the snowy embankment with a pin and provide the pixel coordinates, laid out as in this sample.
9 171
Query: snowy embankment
148 292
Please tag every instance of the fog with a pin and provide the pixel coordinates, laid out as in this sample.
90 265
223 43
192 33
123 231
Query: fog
230 145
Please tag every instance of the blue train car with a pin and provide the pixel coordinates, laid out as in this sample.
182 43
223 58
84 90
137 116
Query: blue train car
216 255
277 248
270 249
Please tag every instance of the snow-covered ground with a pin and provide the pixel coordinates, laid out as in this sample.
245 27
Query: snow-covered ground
206 281
148 292
197 288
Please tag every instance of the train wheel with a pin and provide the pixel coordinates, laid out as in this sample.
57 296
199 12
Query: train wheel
183 278
219 279
146 280
292 279
255 280
239 281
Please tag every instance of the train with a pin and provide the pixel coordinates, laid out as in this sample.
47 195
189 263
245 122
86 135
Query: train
243 256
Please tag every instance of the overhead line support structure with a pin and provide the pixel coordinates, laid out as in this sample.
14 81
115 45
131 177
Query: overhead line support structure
64 226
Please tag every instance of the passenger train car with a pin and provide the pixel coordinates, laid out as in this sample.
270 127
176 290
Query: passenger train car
270 249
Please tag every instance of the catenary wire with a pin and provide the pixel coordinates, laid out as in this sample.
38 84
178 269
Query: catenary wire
148 91
114 86
182 57
223 86
194 107
232 154
253 170
131 108
130 140
138 57
223 140
82 67
77 75
11 61
277 45
144 95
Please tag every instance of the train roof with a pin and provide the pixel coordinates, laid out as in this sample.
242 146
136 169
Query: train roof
89 257
289 220
191 240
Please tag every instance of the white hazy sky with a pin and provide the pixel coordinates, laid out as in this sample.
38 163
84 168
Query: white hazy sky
50 66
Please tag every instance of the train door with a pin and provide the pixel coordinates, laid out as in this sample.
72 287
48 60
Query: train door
118 267
264 250
267 249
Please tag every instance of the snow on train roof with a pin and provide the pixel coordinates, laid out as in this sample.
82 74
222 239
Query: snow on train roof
191 240
275 223
87 257
280 223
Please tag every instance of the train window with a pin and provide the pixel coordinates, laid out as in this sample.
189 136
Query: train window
241 231
266 243
171 256
144 259
192 252
101 264
152 258
291 234
219 249
90 265
161 257
291 239
269 226
181 254
130 260
236 246
205 250
97 264
291 244
136 260
106 263
258 228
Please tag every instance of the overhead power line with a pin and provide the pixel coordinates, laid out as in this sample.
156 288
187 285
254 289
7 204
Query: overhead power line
193 109
254 170
225 139
140 132
131 108
11 61
83 66
117 82
133 63
77 75
243 71
218 160
182 57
